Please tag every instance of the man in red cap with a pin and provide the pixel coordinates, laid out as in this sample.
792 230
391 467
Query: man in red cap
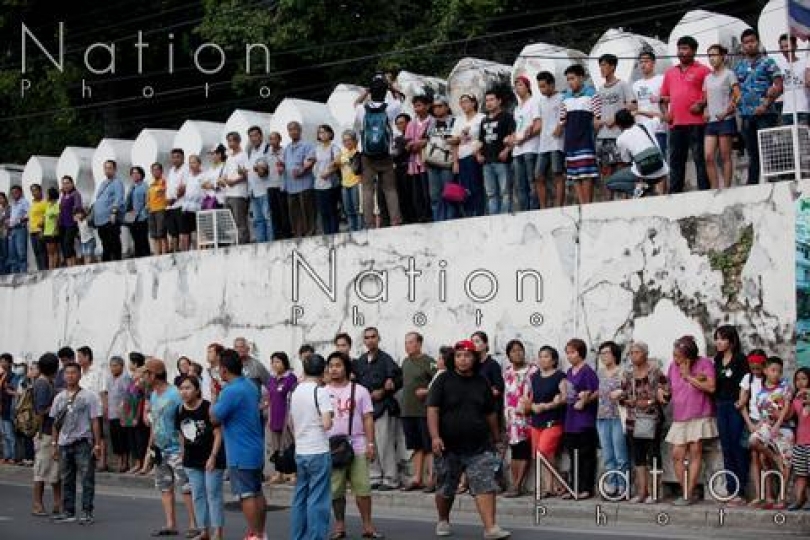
464 429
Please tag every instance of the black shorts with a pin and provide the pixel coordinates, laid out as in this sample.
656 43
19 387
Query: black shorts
417 435
644 451
174 218
521 451
118 438
53 240
188 222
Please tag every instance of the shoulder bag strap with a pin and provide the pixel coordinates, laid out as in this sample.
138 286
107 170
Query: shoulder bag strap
351 409
315 394
642 126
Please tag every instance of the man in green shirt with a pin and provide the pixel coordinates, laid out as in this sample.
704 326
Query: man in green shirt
417 372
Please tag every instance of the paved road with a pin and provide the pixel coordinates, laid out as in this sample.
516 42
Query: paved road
123 514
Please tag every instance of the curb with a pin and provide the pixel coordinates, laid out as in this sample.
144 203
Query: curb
664 517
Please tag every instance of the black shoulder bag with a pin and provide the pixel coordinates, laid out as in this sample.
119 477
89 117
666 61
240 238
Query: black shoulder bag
340 446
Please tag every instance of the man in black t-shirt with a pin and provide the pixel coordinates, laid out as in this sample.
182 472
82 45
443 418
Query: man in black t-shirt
495 154
463 425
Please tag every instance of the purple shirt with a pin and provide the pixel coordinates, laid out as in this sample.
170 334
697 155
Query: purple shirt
689 403
278 390
585 380
67 205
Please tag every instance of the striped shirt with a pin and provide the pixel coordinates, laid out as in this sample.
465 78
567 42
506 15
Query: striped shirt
578 111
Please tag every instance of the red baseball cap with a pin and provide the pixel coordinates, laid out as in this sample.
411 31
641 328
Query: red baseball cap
465 345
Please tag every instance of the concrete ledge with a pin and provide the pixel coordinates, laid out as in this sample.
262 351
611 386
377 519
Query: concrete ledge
551 513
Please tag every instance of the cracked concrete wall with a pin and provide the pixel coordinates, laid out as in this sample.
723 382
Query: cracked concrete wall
652 269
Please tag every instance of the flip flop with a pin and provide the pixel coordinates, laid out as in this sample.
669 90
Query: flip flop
39 513
373 534
165 532
337 535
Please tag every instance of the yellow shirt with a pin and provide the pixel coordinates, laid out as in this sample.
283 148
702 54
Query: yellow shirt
156 196
51 222
348 178
36 216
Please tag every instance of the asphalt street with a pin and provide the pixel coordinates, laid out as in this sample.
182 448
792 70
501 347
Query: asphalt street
124 514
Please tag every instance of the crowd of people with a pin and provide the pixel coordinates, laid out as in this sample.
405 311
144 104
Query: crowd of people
462 419
522 152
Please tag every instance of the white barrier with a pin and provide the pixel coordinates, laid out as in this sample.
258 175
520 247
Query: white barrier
474 76
341 104
153 146
196 137
118 150
216 228
38 170
310 114
708 29
77 162
539 57
242 119
627 47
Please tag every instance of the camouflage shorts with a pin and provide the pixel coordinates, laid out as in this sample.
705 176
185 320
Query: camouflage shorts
170 474
607 152
480 469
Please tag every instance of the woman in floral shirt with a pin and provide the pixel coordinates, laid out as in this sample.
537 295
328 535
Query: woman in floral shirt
131 414
518 388
608 420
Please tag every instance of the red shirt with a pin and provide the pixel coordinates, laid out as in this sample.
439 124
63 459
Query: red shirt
684 88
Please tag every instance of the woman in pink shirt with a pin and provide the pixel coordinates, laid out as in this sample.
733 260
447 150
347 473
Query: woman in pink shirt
692 382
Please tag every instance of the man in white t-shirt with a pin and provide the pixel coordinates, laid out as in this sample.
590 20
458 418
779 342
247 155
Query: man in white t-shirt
175 191
635 141
525 144
551 154
647 106
258 184
311 414
796 76
234 181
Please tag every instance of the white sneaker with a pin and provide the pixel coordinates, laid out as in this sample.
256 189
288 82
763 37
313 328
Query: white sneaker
443 529
496 533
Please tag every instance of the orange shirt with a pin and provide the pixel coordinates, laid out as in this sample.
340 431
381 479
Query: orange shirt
156 196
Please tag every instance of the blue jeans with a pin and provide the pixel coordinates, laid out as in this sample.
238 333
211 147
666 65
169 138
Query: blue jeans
7 430
663 144
614 451
750 129
18 250
77 458
262 220
312 500
681 140
206 492
470 176
523 166
498 187
3 256
351 206
326 203
437 178
730 424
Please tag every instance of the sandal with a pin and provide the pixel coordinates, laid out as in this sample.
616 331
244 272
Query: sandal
462 489
585 495
373 534
193 533
164 531
756 503
413 486
566 496
337 535
39 513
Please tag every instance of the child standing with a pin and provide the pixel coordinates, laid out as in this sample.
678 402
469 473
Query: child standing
86 236
750 386
800 462
772 437
580 113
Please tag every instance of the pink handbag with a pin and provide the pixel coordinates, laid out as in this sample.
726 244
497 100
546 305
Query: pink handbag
454 193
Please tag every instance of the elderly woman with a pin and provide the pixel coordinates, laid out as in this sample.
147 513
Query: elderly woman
644 389
692 382
608 420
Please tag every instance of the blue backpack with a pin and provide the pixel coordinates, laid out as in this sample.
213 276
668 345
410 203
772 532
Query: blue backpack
376 131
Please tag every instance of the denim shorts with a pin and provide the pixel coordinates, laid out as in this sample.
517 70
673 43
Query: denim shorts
245 483
553 162
89 248
727 127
